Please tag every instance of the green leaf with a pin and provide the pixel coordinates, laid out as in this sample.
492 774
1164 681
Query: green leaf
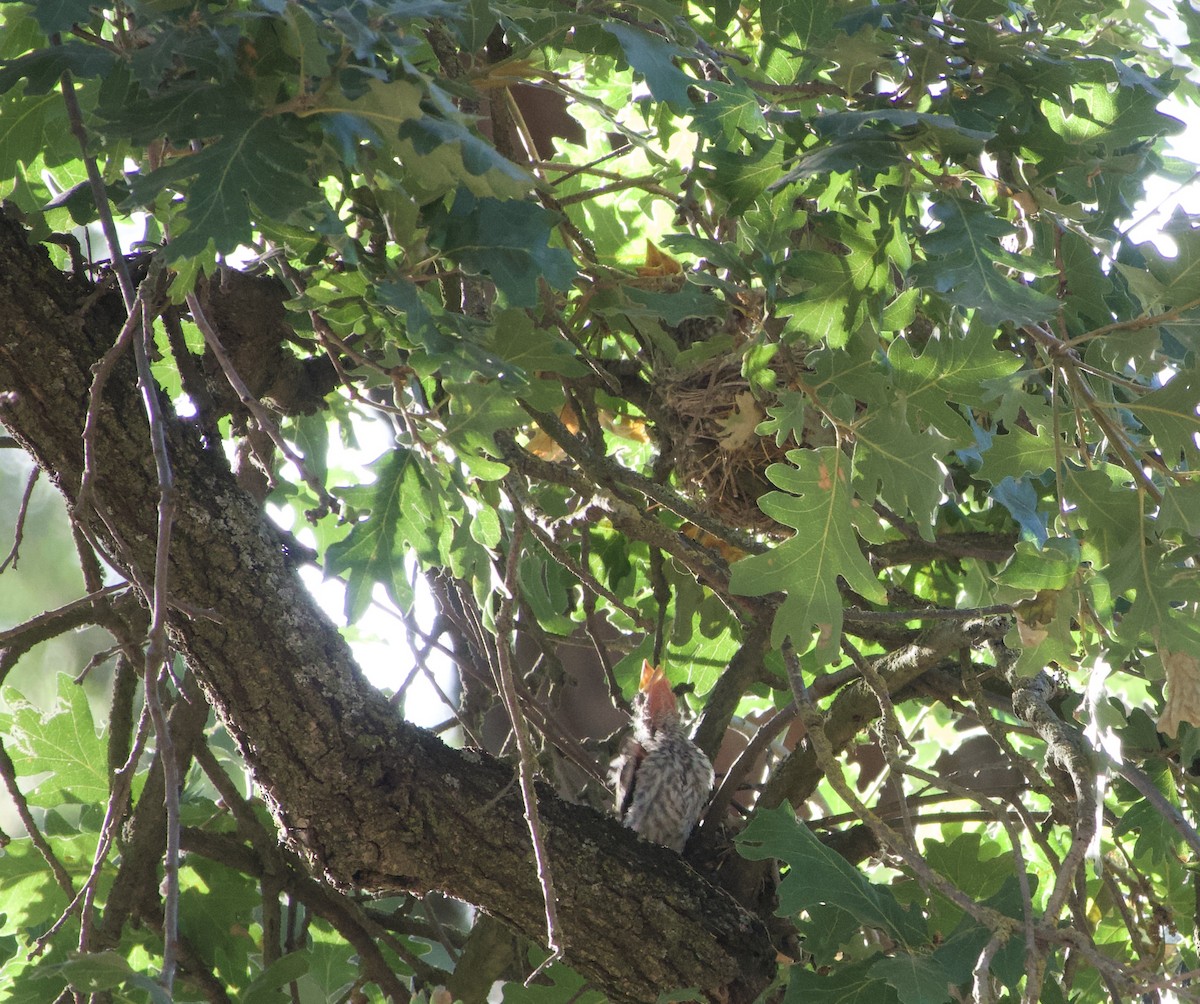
407 517
834 287
733 112
267 986
561 983
1180 508
809 22
60 15
654 58
1172 414
787 418
506 241
671 308
532 349
917 979
478 410
61 742
857 124
900 464
439 156
214 904
831 306
1102 504
258 165
1157 838
949 369
1018 453
1164 583
42 69
30 898
96 972
742 177
1023 504
966 265
1115 116
33 125
976 867
818 876
1051 566
858 54
847 984
1167 281
819 507
380 110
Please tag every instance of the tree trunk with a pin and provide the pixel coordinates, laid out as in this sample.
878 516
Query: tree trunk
369 800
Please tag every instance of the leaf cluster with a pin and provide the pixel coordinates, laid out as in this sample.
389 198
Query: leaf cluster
763 340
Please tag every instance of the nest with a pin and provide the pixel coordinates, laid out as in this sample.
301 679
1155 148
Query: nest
711 413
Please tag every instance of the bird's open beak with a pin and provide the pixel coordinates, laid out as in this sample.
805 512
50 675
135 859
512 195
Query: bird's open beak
660 699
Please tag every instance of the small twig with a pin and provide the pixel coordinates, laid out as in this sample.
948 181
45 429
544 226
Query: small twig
854 615
96 183
121 783
508 691
888 837
100 374
9 772
445 699
19 529
592 626
1155 797
171 784
731 783
606 471
1063 360
54 622
157 649
821 687
253 405
579 570
981 986
1134 323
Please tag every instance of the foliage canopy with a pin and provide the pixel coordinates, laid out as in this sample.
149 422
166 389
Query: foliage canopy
799 344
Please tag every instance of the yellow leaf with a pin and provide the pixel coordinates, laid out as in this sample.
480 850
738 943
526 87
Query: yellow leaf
739 426
1183 691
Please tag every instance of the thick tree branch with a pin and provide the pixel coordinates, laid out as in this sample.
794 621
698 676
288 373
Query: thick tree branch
856 705
368 800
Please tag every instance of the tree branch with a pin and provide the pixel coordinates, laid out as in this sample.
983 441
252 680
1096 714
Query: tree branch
327 750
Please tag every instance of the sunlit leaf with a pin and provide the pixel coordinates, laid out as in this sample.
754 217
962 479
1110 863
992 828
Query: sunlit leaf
818 504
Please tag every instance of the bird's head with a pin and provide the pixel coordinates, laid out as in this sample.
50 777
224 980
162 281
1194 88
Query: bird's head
656 701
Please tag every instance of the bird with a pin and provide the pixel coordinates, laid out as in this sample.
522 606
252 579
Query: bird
662 778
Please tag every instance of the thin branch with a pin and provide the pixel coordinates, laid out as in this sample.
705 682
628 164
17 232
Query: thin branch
1135 323
157 650
855 616
929 879
254 405
981 985
526 764
606 471
19 529
559 554
96 183
9 772
120 785
591 623
1155 797
1063 359
100 374
52 623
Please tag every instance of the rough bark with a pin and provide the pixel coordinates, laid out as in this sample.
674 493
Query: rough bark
368 800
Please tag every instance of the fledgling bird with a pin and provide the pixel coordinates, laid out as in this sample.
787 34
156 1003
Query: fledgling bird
662 778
